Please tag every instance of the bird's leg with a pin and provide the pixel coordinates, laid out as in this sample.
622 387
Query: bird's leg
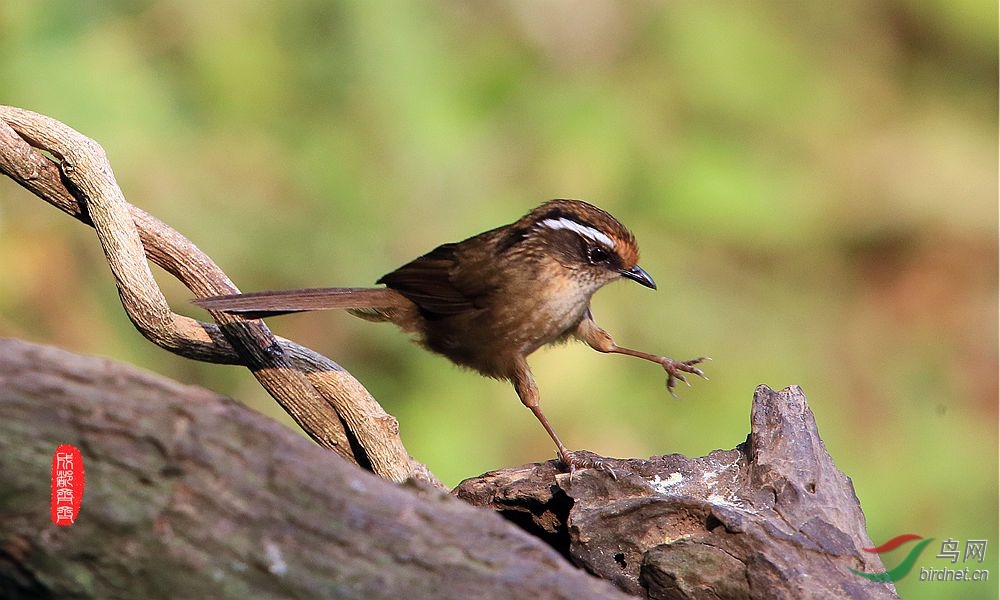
527 391
601 340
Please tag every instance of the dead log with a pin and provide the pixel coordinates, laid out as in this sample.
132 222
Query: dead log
773 518
191 495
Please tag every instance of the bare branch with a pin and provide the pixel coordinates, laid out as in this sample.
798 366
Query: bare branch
324 399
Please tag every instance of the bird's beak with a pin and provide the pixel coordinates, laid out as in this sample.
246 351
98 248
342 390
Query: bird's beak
639 275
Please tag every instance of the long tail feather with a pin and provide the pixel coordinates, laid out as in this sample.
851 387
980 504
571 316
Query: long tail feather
257 305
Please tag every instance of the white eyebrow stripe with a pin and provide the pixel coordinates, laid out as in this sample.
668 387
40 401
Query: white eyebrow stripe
584 230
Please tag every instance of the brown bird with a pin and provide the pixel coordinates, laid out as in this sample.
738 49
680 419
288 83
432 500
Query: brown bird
488 302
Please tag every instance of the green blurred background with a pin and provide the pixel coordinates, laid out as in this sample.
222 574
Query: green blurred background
814 188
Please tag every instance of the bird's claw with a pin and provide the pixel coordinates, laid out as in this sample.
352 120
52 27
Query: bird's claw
676 368
574 461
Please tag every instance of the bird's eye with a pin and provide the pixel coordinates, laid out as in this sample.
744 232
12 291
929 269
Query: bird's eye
596 255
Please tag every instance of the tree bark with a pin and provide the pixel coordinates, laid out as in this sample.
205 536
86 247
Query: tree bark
773 518
191 495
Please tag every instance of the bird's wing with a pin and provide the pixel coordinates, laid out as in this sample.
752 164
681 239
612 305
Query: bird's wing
430 283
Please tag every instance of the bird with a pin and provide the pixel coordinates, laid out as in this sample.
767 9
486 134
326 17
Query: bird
488 302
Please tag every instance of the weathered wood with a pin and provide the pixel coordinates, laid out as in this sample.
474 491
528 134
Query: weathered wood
330 405
773 518
191 495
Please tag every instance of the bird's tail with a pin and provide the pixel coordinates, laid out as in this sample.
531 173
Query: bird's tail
365 302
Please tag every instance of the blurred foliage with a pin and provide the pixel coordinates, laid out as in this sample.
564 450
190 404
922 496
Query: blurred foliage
814 188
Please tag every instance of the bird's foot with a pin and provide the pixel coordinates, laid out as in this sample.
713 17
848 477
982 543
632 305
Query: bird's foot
577 460
676 368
